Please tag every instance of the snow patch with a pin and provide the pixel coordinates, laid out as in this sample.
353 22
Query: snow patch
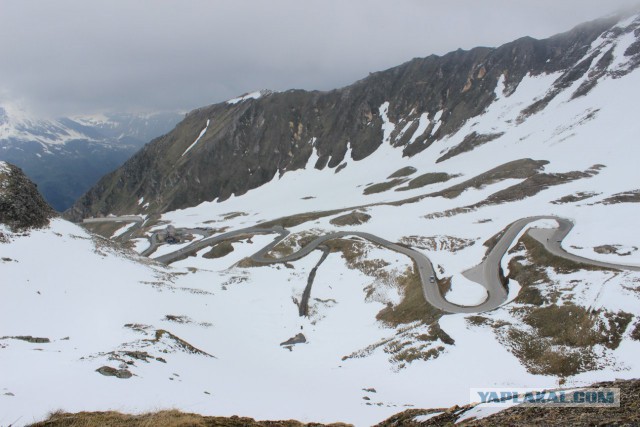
197 139
347 154
313 158
387 126
253 95
122 230
465 292
483 411
427 417
437 122
500 87
422 126
404 129
621 46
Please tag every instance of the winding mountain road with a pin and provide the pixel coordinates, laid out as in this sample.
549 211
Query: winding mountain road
154 243
488 273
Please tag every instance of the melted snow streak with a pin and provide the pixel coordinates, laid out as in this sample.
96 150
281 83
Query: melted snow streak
422 126
387 126
197 139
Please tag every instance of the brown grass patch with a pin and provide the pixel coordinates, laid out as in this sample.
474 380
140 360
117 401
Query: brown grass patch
295 220
413 306
576 197
625 197
471 141
405 171
353 218
292 243
104 229
168 418
540 256
219 250
383 186
426 179
562 337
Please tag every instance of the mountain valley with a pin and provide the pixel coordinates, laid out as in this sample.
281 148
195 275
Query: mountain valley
65 157
356 255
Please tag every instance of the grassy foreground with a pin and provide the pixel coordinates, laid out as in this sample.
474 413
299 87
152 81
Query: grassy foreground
171 418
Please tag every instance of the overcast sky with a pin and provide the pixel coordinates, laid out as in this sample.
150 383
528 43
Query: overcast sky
86 56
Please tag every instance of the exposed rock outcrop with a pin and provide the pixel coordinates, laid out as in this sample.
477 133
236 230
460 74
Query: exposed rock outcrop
21 205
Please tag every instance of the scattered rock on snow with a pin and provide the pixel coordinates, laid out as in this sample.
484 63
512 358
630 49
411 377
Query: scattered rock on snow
108 371
298 339
29 338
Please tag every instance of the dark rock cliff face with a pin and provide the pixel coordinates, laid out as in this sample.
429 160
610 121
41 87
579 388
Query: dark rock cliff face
21 205
247 143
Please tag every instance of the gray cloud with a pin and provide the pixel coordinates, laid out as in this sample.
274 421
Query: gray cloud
80 56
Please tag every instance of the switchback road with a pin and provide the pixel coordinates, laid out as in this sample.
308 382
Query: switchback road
488 273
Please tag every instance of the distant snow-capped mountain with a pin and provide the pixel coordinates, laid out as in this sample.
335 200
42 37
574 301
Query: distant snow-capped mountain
17 125
126 126
65 156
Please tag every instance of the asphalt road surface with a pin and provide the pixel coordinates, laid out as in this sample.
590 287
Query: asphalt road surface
488 273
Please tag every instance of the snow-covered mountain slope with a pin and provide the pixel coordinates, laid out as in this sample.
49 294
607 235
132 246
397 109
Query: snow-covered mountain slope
66 156
418 106
218 333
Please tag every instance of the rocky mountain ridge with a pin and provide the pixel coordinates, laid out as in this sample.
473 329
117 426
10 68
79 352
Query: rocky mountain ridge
229 148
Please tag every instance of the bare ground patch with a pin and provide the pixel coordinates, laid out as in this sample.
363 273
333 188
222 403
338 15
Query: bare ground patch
555 336
293 243
353 218
576 197
471 141
632 196
411 343
405 171
219 250
167 418
527 188
437 243
383 186
615 249
426 179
